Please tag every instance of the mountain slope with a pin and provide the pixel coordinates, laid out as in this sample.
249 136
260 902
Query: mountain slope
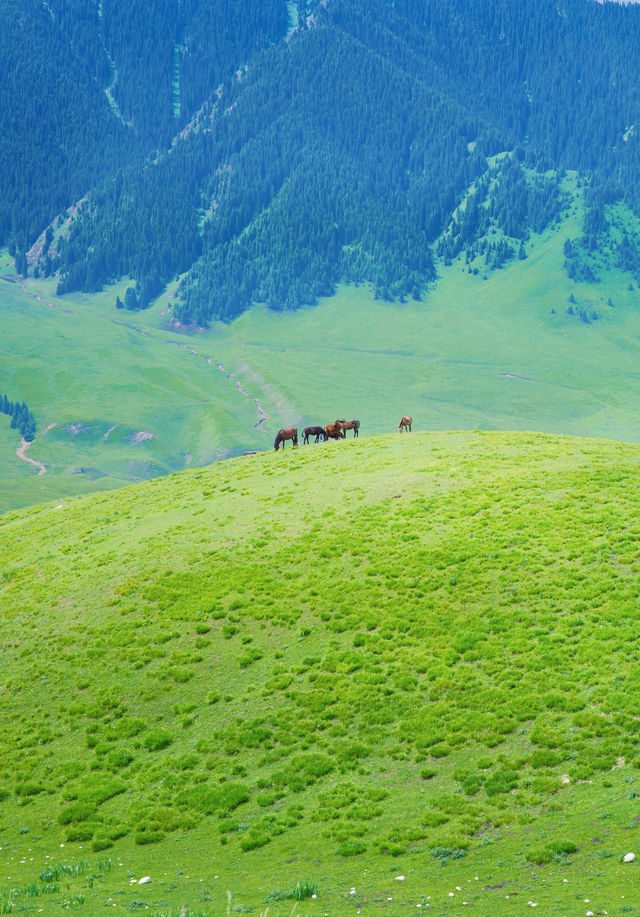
58 136
91 86
334 666
339 153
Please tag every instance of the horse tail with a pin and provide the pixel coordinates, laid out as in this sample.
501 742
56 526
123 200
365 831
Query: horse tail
276 445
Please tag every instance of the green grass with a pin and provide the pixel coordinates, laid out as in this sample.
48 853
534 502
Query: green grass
494 353
320 670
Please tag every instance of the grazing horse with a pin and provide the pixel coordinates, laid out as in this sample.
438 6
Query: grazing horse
286 433
405 423
350 425
334 430
313 431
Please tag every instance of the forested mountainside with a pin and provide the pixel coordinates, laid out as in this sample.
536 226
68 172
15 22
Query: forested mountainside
90 86
58 133
339 151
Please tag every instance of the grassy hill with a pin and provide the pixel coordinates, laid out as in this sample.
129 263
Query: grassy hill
395 673
491 350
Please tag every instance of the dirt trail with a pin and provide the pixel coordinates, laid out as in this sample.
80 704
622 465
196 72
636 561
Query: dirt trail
20 452
23 286
262 415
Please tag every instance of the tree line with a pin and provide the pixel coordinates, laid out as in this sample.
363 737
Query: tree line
507 199
21 417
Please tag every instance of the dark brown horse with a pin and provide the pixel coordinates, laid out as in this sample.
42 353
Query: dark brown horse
318 432
350 425
405 424
286 433
334 430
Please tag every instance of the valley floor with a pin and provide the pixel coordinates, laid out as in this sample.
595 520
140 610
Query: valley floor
124 396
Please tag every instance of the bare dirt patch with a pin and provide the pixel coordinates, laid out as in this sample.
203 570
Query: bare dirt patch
76 428
139 437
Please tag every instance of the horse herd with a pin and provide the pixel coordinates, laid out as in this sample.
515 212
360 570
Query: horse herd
336 430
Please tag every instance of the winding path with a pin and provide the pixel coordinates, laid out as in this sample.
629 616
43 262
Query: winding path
20 452
262 415
23 286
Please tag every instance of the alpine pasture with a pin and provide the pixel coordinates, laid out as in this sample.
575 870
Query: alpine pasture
379 675
123 396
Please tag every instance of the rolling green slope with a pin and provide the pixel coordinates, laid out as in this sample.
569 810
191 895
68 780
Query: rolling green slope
393 673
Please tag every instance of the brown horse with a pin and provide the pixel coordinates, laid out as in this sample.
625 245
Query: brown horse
286 433
334 430
318 432
350 425
405 424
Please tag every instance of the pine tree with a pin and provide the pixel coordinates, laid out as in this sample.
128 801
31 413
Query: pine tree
130 299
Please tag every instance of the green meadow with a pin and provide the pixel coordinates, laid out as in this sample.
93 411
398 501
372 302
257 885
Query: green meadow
391 674
122 396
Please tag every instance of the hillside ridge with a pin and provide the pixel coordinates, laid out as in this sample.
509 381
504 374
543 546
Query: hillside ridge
385 655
